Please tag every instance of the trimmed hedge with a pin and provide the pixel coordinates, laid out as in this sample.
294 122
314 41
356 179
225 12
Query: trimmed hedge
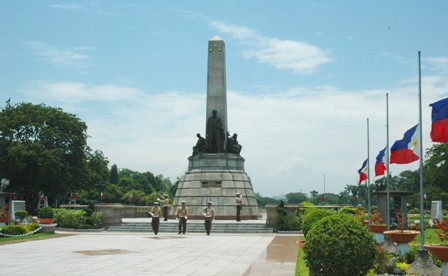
313 215
339 245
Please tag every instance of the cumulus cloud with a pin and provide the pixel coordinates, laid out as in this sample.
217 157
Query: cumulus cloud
296 56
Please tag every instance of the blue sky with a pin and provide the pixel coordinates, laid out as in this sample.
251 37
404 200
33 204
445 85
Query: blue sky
302 79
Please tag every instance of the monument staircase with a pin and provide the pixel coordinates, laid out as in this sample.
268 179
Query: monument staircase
195 226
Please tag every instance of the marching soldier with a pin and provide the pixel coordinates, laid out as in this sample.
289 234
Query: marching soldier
155 213
209 214
164 201
182 214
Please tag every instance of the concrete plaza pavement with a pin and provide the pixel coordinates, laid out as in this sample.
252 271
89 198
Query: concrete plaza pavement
106 253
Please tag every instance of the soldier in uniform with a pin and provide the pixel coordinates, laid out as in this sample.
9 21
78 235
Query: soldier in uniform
155 213
165 200
182 214
209 214
239 203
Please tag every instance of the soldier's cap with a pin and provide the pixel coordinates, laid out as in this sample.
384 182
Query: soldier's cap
183 202
238 194
210 202
156 203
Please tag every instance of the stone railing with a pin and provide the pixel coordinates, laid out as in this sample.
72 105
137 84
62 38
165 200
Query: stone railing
113 213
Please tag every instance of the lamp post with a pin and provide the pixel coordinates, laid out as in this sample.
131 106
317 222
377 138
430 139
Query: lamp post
4 184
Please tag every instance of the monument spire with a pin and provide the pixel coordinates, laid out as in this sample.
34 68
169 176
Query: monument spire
216 83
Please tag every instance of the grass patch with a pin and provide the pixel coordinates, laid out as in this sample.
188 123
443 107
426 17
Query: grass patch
430 237
301 268
38 236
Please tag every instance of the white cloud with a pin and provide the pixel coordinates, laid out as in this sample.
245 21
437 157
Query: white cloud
290 138
297 56
73 57
439 63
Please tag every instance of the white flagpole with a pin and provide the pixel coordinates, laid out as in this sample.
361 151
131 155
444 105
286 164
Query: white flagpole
422 224
368 171
387 168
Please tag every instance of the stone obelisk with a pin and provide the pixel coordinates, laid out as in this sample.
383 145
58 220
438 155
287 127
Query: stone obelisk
216 168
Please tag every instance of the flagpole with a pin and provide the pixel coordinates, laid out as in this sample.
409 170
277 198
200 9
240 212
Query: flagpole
422 224
324 189
387 168
368 171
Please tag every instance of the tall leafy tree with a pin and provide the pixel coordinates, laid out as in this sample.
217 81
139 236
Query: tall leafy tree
294 198
42 149
114 174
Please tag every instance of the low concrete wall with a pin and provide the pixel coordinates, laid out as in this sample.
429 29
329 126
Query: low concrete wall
272 214
112 213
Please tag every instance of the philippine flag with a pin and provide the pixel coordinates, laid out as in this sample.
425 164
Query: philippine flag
380 168
439 127
363 172
407 150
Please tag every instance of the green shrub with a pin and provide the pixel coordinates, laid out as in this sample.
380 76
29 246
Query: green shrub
348 211
46 212
21 214
13 230
78 219
71 218
311 216
31 227
339 245
294 223
95 220
281 218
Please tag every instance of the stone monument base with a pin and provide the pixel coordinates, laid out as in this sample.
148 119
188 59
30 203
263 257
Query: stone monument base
216 178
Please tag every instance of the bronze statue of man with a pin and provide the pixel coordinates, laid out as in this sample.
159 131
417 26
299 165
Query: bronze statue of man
214 134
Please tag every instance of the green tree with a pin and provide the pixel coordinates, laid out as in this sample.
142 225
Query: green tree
113 174
42 149
295 198
436 166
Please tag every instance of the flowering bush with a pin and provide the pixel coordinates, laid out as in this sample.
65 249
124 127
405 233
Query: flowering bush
4 213
377 218
442 225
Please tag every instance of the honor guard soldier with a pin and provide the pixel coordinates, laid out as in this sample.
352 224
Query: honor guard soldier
155 213
209 214
165 201
239 203
182 214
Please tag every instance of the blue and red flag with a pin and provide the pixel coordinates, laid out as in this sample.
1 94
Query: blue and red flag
439 127
363 172
407 150
380 168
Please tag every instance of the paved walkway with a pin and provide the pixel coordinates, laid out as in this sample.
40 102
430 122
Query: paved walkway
171 254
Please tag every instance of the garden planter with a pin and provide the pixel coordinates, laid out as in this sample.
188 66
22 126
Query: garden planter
438 251
301 244
377 228
46 220
401 237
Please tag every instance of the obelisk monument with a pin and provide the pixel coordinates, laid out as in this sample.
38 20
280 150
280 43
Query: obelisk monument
216 168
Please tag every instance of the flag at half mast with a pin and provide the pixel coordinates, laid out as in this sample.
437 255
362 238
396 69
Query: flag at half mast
380 168
439 126
406 150
363 172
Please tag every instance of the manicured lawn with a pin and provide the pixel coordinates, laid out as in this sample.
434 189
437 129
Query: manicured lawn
38 236
430 237
301 268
